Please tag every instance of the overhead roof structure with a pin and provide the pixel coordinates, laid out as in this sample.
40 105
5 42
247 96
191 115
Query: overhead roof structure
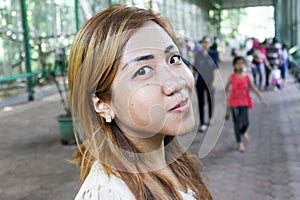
286 15
228 4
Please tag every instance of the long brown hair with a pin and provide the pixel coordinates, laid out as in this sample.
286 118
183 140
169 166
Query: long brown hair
93 63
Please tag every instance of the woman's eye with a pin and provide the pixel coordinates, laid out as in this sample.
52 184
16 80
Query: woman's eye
175 59
143 71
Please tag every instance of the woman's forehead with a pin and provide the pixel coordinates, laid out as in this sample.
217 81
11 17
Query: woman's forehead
149 36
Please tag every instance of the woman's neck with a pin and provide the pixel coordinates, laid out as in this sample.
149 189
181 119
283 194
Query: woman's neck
152 150
205 52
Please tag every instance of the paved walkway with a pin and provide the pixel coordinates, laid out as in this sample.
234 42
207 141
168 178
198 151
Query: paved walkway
34 165
270 167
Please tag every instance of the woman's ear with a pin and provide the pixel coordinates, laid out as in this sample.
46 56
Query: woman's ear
102 108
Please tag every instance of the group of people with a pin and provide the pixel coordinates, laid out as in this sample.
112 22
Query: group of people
132 94
269 60
239 84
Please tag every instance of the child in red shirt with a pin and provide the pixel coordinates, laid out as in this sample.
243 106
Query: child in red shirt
240 100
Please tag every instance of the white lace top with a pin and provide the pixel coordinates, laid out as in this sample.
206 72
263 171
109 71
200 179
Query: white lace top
98 186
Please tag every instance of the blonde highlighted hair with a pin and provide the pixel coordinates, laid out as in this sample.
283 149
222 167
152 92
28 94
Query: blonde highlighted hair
93 63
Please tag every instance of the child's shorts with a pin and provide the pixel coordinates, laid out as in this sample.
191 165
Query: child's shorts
276 82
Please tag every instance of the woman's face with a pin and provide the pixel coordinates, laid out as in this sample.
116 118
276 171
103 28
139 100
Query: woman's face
152 90
206 44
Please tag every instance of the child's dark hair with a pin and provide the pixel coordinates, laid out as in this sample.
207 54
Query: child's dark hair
236 59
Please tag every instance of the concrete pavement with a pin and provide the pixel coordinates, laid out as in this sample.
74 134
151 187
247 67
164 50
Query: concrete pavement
34 165
270 167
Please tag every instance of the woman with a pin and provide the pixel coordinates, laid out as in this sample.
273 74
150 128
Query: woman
206 68
260 62
131 94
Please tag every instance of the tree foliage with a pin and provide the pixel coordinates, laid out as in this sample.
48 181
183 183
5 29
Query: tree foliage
51 26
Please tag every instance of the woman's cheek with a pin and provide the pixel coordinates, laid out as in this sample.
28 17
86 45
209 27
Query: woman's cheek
189 78
146 110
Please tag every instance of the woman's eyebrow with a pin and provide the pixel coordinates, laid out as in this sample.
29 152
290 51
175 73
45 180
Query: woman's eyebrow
139 58
169 48
147 57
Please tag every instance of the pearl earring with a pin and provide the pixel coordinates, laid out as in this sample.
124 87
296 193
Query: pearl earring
108 118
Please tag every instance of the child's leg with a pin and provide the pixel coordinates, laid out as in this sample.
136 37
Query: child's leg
236 123
279 86
244 119
274 84
244 123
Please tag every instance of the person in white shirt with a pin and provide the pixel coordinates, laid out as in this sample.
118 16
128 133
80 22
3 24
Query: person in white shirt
276 78
131 96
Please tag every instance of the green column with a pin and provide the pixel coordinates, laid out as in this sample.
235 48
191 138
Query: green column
76 15
151 4
27 49
277 9
297 42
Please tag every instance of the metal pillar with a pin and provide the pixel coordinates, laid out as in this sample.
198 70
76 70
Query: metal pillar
287 21
27 50
297 25
76 15
277 18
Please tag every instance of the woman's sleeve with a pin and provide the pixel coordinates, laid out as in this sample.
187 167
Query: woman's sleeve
99 186
98 193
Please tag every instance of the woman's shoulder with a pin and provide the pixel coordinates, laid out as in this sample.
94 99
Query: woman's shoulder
98 185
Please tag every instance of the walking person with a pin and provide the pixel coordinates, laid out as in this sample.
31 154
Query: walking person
285 63
131 96
274 57
260 62
240 100
206 71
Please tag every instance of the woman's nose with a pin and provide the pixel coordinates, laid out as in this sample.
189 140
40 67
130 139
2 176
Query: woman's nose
172 83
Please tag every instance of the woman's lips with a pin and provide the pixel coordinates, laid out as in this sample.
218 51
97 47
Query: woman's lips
181 107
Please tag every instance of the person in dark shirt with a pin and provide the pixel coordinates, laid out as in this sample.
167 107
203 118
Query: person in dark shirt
205 67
